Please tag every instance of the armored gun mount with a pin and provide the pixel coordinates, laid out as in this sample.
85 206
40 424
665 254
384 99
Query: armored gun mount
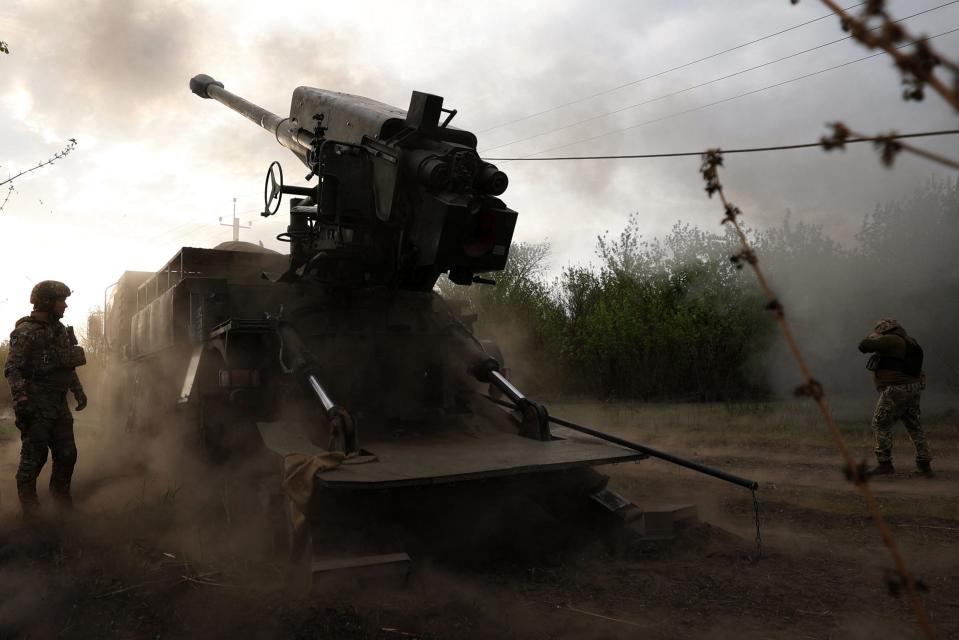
401 196
349 356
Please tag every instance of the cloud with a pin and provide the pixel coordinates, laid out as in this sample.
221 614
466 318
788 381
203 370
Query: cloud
103 65
152 157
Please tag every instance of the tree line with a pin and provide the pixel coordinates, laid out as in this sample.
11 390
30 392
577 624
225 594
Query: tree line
674 318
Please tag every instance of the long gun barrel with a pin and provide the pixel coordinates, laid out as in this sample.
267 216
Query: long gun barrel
296 140
401 196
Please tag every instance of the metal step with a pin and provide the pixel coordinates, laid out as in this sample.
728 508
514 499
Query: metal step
389 571
659 522
663 522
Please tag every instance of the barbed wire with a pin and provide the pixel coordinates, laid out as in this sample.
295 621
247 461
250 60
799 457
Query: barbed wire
712 160
62 153
71 145
10 191
918 69
889 145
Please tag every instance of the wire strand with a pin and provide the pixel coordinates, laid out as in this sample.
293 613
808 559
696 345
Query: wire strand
662 73
904 61
713 159
782 147
729 99
702 84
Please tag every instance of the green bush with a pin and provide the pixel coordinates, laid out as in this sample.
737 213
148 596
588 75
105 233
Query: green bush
675 319
661 319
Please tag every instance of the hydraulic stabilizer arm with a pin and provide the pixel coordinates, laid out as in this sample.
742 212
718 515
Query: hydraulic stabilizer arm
482 365
534 421
296 359
342 425
752 485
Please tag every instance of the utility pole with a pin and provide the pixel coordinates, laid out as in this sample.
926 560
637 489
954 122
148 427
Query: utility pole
236 224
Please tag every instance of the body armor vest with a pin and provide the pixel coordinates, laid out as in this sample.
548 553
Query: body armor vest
54 357
911 364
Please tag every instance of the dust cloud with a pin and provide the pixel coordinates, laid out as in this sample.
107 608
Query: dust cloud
153 519
902 266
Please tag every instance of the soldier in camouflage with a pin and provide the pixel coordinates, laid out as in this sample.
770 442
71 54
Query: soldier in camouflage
898 376
41 368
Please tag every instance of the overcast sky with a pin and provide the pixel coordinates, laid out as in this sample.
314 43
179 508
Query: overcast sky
156 167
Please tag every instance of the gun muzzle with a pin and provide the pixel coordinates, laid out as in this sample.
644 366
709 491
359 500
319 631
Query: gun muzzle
200 83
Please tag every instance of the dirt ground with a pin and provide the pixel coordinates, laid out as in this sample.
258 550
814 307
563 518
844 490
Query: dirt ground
136 561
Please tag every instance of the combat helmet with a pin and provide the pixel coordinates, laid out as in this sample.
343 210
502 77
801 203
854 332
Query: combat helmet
886 325
45 293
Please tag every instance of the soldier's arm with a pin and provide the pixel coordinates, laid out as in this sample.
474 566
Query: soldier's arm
876 343
77 390
21 342
75 385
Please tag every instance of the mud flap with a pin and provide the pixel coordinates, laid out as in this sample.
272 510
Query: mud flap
190 378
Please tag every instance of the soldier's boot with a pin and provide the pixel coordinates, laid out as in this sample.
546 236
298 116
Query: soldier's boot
64 501
29 503
882 469
61 476
924 469
33 455
60 491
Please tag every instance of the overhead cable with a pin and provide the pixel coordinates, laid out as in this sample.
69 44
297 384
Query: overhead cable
730 98
701 84
782 147
664 72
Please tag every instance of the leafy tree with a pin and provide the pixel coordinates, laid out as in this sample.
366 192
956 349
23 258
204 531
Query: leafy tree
5 400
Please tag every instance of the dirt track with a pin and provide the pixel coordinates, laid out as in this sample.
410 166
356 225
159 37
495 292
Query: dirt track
134 563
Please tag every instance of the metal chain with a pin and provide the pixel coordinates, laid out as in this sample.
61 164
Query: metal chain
759 537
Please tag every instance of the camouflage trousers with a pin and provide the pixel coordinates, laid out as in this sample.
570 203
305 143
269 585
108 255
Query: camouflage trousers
899 402
50 427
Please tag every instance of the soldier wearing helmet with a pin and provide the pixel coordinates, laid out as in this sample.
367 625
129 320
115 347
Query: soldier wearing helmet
41 368
897 373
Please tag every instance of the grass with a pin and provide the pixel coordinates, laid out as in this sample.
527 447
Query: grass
792 422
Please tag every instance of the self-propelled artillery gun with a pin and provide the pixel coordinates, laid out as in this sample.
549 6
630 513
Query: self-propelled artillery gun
340 358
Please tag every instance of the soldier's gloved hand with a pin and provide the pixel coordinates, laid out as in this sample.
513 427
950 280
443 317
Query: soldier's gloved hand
81 399
22 411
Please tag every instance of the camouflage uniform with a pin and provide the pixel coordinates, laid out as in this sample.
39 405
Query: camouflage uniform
41 367
899 402
899 390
